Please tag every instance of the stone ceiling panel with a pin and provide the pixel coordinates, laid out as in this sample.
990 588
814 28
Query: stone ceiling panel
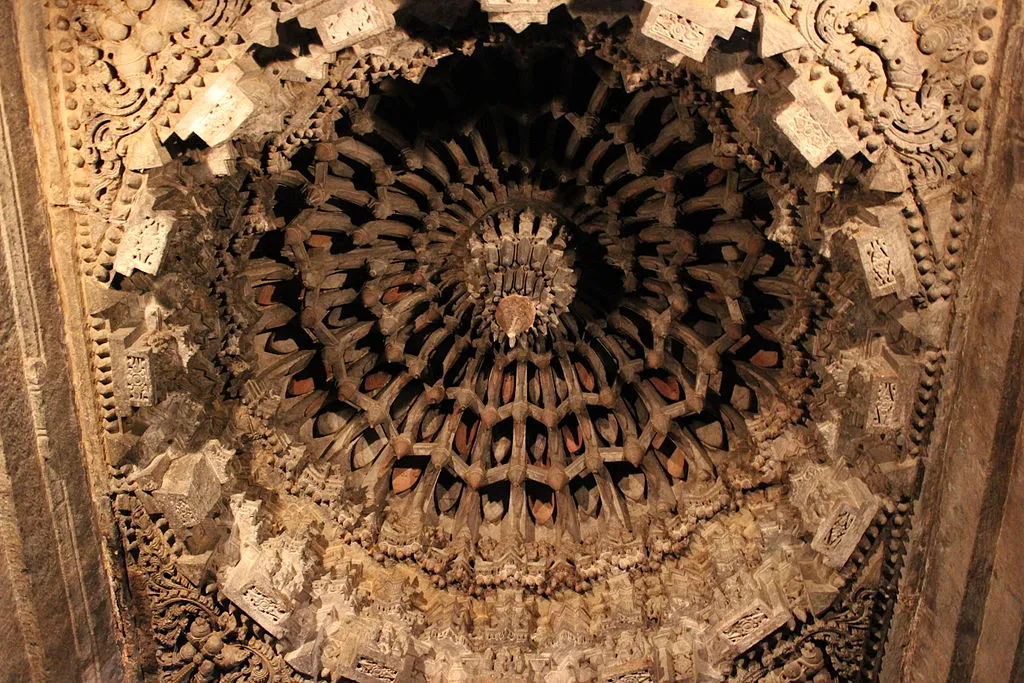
436 343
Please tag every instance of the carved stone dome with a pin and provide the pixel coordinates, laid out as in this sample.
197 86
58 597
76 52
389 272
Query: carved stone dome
515 338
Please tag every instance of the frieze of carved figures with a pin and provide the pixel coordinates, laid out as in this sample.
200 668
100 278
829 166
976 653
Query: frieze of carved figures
368 415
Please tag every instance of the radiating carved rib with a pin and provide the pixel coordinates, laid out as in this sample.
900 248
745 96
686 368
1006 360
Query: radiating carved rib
679 129
466 170
263 271
702 156
346 445
321 220
390 134
360 152
635 188
586 172
504 153
421 186
275 315
658 485
585 125
587 390
483 157
345 190
434 166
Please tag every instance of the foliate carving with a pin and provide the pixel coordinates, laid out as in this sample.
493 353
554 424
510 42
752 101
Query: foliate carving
864 80
839 508
886 406
748 627
808 134
142 245
878 264
200 638
690 28
890 379
897 95
678 32
886 257
218 113
138 379
145 236
375 671
133 372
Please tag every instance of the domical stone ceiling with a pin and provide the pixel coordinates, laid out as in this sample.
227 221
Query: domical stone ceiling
515 337
432 342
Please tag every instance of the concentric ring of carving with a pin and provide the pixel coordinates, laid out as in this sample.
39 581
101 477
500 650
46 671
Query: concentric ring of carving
523 345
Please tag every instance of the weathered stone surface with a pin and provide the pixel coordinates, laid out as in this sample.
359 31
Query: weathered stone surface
959 617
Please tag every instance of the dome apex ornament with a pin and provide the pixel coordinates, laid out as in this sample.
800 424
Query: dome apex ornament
515 315
520 270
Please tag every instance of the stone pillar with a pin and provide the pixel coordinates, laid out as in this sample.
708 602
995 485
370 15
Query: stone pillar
58 619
